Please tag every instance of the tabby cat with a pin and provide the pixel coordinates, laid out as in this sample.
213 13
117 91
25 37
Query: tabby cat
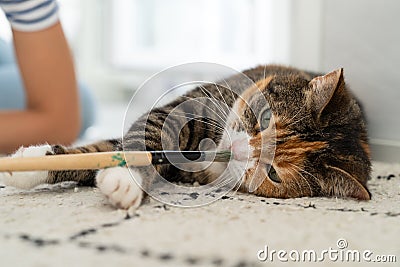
315 123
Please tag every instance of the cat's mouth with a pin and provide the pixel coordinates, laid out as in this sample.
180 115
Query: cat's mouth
241 150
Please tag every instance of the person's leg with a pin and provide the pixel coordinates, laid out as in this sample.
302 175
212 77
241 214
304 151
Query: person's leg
12 96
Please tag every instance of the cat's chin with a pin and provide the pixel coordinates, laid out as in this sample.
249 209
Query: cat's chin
216 169
236 168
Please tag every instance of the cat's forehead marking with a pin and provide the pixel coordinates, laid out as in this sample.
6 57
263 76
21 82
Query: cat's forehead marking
259 87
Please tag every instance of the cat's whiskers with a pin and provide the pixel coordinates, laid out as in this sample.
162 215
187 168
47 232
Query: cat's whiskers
196 119
306 181
219 92
303 170
299 185
212 98
265 72
299 170
239 172
267 147
186 117
216 113
224 179
229 89
183 112
216 104
230 111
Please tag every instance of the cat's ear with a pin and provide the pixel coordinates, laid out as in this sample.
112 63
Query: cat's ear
345 185
323 88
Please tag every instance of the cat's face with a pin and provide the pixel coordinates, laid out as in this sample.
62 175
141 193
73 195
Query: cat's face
288 136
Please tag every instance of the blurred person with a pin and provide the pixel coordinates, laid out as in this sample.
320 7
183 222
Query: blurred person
52 106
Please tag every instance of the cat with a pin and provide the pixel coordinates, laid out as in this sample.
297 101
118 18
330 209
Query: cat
314 123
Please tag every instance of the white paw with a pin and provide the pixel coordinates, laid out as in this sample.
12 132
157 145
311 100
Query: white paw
120 188
27 180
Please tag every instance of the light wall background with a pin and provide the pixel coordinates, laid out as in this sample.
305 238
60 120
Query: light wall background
118 44
368 46
363 37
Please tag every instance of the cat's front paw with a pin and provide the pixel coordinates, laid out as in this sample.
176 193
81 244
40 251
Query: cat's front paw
120 188
27 180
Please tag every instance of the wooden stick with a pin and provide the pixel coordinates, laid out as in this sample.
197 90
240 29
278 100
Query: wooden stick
85 161
102 160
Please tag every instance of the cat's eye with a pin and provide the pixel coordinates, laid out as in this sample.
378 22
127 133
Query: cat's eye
265 118
273 175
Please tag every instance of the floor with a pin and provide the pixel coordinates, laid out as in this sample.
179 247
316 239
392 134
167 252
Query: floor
62 225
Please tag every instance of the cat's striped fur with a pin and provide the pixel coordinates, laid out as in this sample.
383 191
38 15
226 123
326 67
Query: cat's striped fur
320 134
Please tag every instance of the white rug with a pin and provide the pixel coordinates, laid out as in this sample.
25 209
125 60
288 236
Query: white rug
64 226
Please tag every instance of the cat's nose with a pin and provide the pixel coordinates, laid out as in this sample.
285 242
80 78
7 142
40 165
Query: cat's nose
240 149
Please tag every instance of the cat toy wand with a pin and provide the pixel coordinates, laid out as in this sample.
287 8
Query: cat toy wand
102 160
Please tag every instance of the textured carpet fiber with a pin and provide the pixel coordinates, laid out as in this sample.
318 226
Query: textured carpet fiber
62 225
